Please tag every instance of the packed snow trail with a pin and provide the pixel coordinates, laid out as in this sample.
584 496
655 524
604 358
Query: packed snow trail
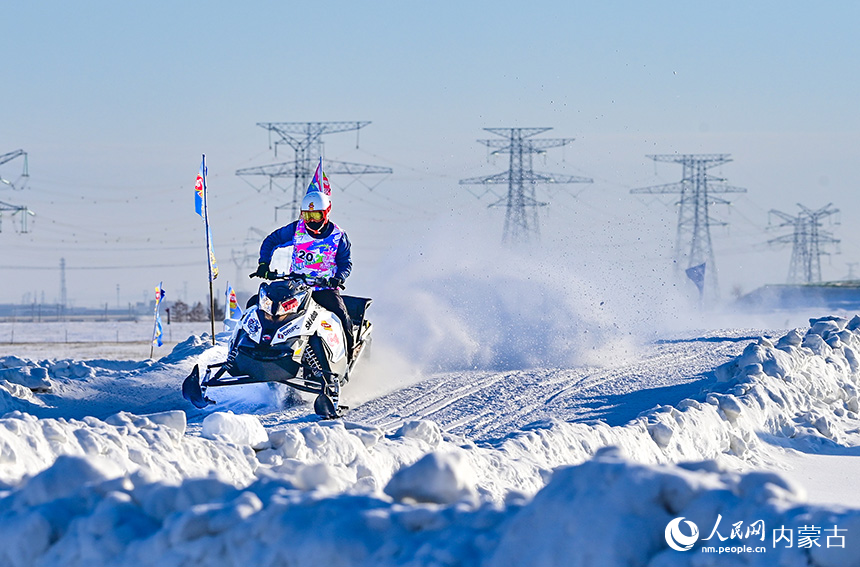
483 405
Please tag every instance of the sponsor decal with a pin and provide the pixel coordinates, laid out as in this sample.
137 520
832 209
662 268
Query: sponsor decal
283 333
311 318
253 327
325 325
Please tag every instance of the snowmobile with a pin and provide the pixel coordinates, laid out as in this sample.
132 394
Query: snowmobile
285 336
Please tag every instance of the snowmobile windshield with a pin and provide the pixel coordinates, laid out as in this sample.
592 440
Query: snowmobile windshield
280 299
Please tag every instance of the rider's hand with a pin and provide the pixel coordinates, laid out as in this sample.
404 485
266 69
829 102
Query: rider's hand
262 271
335 283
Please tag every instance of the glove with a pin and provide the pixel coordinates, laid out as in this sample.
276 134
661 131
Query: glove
335 283
262 271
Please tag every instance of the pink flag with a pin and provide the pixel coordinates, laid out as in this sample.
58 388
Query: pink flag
315 182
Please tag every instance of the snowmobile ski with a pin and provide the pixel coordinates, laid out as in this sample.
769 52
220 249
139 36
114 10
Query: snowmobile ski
193 392
325 408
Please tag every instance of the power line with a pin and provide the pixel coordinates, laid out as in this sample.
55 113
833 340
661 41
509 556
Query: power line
87 268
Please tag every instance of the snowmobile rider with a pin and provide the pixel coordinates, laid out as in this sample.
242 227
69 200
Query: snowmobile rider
320 249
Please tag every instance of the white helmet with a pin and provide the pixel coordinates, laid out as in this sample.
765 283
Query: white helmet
315 209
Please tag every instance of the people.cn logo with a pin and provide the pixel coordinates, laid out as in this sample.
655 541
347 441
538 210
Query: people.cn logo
679 541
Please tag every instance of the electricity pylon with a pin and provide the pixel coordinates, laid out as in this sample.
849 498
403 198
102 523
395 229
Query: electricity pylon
697 189
242 258
16 209
521 222
806 241
305 139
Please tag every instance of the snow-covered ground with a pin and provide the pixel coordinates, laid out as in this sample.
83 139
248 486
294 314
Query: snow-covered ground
118 340
738 443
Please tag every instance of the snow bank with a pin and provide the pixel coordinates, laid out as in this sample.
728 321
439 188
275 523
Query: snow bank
801 391
607 512
139 490
236 429
440 478
154 445
23 372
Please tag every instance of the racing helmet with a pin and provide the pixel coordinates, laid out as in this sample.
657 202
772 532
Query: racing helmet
315 209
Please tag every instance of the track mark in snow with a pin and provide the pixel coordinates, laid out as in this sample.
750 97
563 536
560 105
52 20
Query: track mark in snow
426 398
488 405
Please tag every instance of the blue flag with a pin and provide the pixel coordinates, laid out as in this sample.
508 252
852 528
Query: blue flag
697 275
233 310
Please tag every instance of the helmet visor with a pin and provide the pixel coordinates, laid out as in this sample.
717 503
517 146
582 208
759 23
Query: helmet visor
313 216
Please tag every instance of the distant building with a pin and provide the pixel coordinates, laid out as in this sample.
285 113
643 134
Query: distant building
843 295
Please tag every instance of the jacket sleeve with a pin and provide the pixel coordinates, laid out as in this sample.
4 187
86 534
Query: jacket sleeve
343 258
284 236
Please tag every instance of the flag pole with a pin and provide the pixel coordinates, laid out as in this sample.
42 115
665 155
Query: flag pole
208 252
154 326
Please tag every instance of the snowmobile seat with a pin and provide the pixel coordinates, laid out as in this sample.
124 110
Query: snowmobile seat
356 307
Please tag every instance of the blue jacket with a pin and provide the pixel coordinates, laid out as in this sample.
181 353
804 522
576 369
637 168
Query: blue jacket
284 237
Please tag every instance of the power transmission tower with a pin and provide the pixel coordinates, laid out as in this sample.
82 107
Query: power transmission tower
806 241
247 256
305 139
521 222
697 189
23 211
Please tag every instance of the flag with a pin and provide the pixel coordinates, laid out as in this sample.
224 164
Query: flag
201 207
233 311
315 182
200 188
213 265
697 275
157 331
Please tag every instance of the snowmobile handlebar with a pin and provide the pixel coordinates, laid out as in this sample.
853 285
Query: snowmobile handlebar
307 280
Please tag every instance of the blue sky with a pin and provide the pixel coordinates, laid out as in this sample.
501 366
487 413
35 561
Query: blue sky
115 103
